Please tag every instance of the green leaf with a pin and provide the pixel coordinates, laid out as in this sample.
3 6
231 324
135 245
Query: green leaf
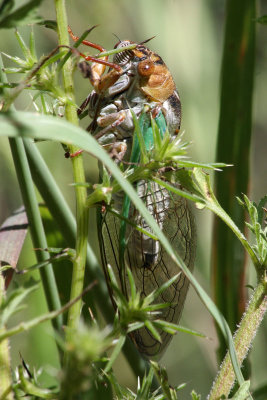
243 392
119 296
256 217
31 389
195 396
194 164
156 307
137 227
15 59
61 255
132 283
144 391
173 328
157 139
162 377
150 326
262 20
134 326
22 44
76 44
153 295
32 46
261 204
6 6
24 15
178 191
115 353
140 138
49 23
11 71
10 306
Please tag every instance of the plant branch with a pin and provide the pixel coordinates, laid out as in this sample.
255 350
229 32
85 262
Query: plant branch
243 340
82 214
25 326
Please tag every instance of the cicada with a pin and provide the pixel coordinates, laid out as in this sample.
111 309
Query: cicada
138 79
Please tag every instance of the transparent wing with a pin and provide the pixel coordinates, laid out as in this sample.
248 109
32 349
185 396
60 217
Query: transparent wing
148 261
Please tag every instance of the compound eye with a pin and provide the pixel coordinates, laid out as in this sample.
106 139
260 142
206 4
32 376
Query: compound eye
146 67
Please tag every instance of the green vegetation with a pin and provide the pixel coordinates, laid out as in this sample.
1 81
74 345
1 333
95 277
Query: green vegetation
73 339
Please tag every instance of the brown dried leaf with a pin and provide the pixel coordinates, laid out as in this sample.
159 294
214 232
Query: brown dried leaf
12 236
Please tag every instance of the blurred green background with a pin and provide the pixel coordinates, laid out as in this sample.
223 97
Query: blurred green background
189 38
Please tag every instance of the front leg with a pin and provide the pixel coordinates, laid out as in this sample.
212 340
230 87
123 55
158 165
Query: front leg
100 82
95 72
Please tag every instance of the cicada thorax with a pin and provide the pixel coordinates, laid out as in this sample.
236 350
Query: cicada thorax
144 80
157 85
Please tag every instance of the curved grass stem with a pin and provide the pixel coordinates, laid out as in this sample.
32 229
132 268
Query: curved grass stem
78 174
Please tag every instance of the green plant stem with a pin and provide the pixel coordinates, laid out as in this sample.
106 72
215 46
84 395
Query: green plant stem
81 209
31 389
233 147
82 214
5 366
37 231
243 340
213 205
64 218
34 218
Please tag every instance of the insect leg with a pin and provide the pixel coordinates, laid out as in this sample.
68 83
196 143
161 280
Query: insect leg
110 122
84 105
116 150
86 42
95 71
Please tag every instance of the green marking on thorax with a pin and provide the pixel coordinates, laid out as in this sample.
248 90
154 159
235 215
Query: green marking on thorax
147 132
